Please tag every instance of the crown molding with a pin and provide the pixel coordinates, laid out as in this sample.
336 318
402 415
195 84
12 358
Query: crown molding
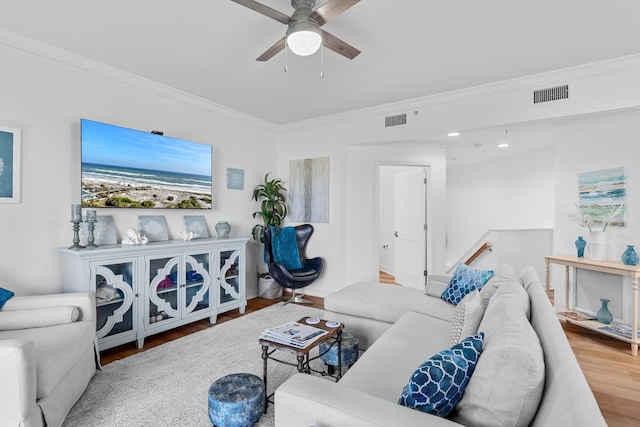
49 52
563 75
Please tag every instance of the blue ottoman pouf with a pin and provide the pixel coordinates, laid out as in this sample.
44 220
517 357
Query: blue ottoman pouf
349 352
236 400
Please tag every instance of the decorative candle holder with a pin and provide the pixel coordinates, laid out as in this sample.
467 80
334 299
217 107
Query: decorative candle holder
76 235
91 225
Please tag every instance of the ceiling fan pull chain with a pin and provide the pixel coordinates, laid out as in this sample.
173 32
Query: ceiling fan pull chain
285 55
322 61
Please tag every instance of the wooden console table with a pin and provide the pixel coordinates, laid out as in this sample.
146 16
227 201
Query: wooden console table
611 267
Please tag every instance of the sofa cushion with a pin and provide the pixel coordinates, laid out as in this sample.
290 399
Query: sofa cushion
23 319
503 275
438 384
386 303
466 318
507 385
465 279
436 284
383 369
58 350
5 295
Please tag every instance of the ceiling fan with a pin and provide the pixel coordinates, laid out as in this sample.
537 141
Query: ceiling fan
304 35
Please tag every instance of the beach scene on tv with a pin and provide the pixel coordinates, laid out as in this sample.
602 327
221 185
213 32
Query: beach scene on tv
126 168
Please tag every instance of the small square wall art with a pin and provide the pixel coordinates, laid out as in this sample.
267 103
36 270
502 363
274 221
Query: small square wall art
235 179
9 165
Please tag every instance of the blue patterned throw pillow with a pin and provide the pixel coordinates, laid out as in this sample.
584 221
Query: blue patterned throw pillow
5 294
465 280
438 384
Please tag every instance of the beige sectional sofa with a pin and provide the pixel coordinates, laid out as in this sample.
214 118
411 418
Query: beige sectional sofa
48 355
527 373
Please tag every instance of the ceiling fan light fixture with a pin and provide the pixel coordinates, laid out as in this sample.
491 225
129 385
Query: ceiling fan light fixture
304 38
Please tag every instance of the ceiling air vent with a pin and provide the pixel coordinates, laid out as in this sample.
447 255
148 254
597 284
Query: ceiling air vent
550 94
399 119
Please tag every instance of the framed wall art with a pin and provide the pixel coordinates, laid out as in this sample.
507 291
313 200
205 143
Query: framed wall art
235 179
602 195
9 165
309 190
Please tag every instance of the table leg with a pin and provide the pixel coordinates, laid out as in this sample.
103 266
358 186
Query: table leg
566 286
339 339
634 321
265 356
300 363
547 276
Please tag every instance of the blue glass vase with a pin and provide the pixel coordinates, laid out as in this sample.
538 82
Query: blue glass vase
630 256
604 315
580 245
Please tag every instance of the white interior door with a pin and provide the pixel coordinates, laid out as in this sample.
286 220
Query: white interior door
411 227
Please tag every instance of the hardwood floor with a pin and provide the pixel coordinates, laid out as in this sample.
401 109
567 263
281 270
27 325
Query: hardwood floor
612 373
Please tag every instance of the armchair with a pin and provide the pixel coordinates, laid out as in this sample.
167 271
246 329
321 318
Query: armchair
299 277
48 355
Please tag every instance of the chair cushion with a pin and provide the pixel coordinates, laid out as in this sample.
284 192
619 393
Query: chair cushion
465 279
49 316
58 350
438 384
303 272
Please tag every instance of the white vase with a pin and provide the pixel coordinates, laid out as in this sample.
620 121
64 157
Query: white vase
598 246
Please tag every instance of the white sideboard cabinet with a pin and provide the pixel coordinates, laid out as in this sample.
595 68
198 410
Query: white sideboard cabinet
142 290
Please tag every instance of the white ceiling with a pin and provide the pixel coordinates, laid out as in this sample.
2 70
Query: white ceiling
410 48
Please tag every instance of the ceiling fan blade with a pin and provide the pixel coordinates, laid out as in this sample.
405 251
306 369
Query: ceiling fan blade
339 46
265 10
330 10
269 53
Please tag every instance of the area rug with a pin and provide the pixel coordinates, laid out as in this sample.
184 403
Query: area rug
167 385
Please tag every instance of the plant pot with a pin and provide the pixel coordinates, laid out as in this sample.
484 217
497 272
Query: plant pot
598 246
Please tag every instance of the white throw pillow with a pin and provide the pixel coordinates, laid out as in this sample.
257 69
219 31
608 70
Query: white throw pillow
466 317
38 318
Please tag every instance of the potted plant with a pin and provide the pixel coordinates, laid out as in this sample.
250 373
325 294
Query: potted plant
273 209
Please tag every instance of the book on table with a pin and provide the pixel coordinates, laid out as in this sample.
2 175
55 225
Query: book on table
576 315
294 334
618 329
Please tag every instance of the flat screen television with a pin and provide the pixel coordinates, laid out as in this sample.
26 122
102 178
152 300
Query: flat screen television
127 168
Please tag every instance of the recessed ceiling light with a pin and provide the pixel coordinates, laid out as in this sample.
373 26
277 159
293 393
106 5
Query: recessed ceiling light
505 145
453 134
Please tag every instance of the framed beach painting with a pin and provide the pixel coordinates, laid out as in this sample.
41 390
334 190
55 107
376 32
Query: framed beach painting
602 193
9 165
309 190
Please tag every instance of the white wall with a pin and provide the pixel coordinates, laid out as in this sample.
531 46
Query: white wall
515 192
605 142
46 99
45 96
